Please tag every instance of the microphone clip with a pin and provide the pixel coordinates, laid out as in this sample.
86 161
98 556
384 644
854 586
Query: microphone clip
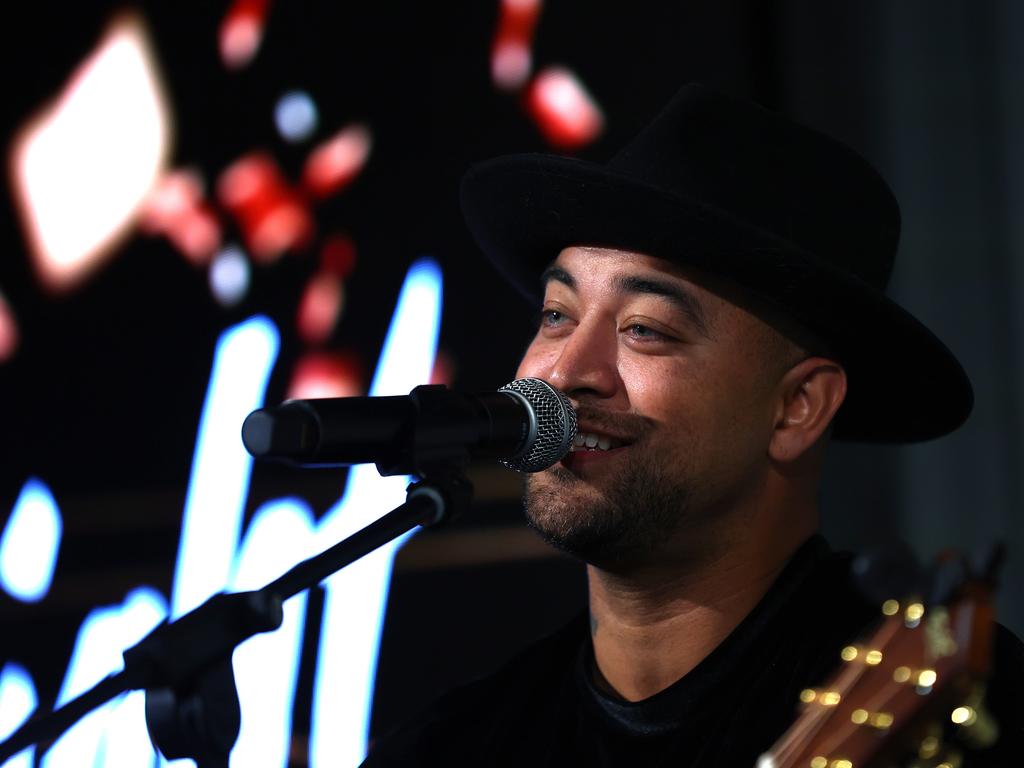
435 447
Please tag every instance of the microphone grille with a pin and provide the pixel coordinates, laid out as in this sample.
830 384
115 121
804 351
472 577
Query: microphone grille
555 425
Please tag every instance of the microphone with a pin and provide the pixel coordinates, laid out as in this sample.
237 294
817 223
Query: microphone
528 425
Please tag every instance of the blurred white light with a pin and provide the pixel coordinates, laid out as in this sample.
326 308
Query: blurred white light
266 666
357 595
115 730
84 166
229 276
29 545
296 116
219 485
17 701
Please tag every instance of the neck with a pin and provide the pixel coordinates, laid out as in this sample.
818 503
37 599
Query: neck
654 624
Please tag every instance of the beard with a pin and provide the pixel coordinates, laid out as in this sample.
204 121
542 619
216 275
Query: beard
624 523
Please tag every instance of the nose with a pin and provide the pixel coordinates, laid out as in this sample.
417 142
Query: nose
583 363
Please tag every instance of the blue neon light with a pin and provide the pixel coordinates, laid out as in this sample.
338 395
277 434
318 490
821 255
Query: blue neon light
17 701
30 542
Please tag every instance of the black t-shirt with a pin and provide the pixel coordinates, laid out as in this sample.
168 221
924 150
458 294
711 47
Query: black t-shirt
542 708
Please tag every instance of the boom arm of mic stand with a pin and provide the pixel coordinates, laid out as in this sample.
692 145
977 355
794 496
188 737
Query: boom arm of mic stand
185 665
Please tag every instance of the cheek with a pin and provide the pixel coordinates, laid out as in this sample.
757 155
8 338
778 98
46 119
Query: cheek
693 397
662 388
536 362
736 417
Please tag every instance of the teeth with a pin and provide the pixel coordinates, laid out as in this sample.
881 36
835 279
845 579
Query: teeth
585 441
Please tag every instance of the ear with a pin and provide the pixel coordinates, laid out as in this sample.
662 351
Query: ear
810 393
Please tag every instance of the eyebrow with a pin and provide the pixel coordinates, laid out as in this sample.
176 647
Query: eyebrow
678 296
559 275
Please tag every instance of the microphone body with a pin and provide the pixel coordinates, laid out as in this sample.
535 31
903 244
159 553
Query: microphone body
527 424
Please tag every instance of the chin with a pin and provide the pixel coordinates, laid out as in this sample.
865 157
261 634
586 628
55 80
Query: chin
591 524
628 522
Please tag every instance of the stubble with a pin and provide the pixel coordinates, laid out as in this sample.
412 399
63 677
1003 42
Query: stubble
626 521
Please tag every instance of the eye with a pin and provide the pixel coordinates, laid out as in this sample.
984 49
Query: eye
642 333
551 318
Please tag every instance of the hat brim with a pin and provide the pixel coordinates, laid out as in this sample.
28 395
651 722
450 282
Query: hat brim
904 385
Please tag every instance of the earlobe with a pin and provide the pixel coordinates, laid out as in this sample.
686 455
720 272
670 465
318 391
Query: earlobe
810 394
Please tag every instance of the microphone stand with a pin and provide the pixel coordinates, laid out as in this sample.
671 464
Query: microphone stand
184 666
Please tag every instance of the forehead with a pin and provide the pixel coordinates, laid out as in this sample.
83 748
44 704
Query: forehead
601 263
597 270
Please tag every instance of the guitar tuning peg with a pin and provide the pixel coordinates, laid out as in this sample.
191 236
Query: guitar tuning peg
987 564
891 569
945 578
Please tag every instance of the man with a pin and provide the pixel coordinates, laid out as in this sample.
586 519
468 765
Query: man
712 302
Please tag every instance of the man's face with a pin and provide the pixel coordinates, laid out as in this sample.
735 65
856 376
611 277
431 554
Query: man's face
677 386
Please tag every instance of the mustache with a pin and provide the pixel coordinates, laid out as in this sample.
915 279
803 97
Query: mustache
631 426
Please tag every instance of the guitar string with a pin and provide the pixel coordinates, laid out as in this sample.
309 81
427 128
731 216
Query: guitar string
882 699
808 727
942 665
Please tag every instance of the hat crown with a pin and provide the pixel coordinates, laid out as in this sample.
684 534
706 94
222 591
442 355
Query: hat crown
731 190
764 170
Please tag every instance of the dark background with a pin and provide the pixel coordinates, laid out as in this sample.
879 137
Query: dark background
103 396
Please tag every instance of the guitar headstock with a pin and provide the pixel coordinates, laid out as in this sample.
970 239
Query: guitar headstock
909 695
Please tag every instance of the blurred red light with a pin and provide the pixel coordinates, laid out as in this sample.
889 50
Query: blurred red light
511 60
443 371
198 235
8 331
176 209
282 226
320 374
320 307
335 163
564 111
338 255
241 32
273 217
176 193
246 179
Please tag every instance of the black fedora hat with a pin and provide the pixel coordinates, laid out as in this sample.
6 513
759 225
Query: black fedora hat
738 191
